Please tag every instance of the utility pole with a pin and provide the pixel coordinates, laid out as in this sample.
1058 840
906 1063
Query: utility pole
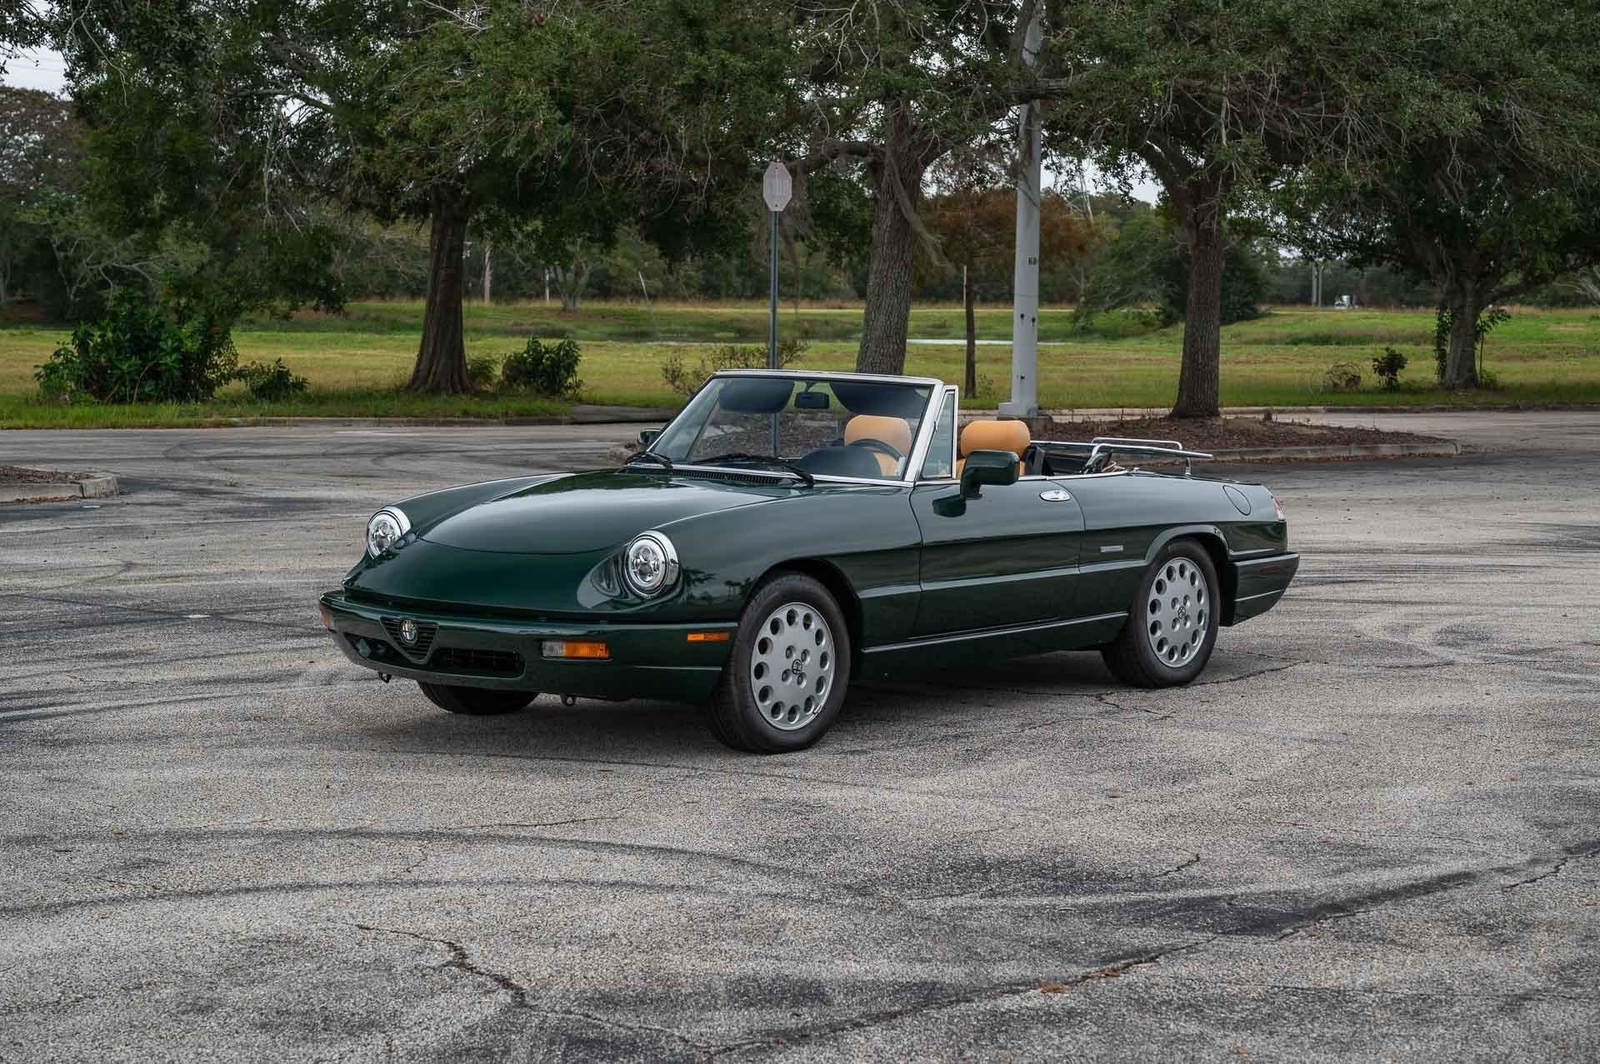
488 271
1025 272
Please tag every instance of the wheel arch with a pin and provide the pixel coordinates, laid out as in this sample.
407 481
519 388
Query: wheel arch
1211 540
837 584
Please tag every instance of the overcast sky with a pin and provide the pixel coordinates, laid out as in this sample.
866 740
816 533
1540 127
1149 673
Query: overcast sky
39 68
36 68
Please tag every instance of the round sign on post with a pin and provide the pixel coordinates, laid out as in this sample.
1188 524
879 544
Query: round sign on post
777 187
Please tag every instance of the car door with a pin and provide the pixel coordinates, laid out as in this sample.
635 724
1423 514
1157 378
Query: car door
1006 557
1123 514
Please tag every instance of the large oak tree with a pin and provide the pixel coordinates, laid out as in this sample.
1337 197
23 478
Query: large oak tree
564 120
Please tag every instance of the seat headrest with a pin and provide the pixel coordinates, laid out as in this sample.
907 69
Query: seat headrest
1010 436
895 431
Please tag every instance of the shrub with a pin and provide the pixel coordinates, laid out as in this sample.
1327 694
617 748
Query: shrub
1388 366
482 371
687 380
548 370
140 352
270 383
1342 377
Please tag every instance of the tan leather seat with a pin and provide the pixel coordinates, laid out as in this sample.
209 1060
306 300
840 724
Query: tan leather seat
894 431
1010 436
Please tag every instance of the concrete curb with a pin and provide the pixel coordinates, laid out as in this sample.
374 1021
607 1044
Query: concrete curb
99 486
1104 413
581 414
1437 449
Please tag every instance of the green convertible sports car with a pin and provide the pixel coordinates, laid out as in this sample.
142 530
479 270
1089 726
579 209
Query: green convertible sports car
789 532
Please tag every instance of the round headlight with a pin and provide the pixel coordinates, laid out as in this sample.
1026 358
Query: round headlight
650 564
387 527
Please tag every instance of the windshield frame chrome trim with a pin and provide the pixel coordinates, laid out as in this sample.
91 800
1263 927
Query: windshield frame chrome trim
828 374
924 440
771 474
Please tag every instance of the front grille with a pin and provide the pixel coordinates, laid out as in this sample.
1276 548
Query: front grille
487 662
417 651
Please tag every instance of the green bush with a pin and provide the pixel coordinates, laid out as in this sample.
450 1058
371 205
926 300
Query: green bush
548 370
140 352
1343 377
482 372
1388 366
686 380
270 383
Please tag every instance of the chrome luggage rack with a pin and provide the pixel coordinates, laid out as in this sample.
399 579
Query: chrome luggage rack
1105 446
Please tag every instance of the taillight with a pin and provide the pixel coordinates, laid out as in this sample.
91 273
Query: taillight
1277 508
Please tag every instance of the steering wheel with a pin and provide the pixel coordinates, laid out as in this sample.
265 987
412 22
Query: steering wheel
878 445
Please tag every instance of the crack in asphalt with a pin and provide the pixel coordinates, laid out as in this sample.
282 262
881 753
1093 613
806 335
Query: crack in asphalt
1190 863
1323 913
518 995
173 615
461 961
1573 853
1000 992
1331 912
1252 675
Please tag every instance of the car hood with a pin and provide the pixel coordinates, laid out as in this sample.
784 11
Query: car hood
588 511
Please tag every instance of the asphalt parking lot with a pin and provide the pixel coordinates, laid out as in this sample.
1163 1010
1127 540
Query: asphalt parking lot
1370 831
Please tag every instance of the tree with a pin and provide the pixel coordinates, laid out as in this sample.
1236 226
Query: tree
1216 100
1495 189
570 120
894 87
40 153
976 229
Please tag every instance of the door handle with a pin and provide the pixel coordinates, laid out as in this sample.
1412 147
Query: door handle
1055 495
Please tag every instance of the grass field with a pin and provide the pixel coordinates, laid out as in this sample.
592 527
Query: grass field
356 361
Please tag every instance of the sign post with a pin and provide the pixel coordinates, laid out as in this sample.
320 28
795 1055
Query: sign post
777 188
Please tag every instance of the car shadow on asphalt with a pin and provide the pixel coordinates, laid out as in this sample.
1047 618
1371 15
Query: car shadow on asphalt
643 729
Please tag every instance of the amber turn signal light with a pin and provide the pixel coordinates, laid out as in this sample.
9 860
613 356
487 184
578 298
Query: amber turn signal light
567 648
708 637
327 618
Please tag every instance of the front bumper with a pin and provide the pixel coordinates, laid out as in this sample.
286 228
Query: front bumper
1258 584
646 660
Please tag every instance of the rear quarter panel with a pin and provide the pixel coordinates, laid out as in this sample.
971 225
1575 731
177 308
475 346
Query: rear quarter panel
1129 517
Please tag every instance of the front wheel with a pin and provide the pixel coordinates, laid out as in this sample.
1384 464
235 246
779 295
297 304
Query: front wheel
786 677
475 701
1172 626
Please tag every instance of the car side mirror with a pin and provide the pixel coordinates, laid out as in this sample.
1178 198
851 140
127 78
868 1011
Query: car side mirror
988 467
648 436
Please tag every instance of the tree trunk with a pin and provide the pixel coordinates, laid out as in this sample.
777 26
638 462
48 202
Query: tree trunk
441 358
969 385
1199 379
571 281
894 240
1461 364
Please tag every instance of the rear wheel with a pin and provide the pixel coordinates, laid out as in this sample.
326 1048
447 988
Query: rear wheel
476 701
786 677
1172 626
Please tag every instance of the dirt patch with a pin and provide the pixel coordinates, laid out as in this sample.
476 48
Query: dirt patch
1231 433
18 475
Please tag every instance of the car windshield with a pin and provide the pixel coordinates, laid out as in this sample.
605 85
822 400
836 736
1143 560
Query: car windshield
810 426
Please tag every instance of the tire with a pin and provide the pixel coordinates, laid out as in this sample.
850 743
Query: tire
476 701
761 703
1182 574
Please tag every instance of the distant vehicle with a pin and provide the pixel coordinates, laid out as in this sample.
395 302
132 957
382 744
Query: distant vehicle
1344 303
791 531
